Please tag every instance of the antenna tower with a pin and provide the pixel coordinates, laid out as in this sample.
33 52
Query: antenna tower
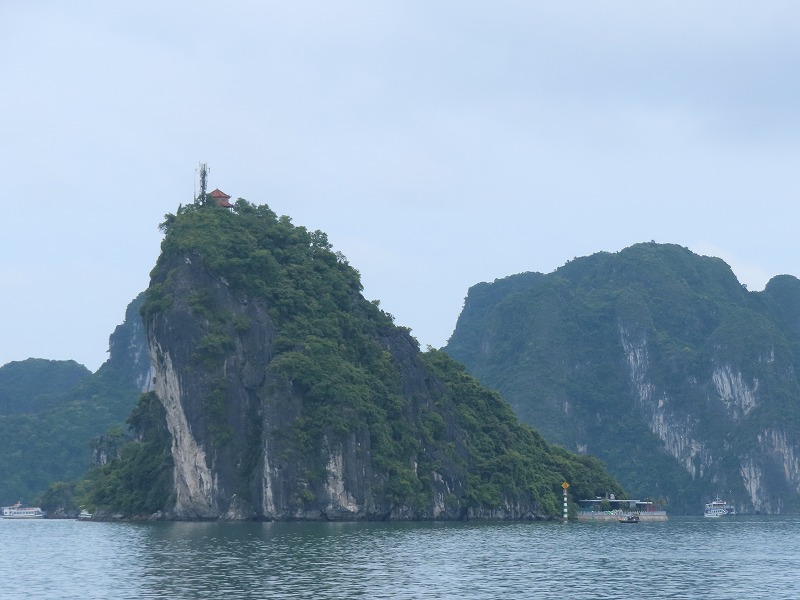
204 171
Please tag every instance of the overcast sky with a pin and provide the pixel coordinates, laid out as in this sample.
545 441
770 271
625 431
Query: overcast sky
438 144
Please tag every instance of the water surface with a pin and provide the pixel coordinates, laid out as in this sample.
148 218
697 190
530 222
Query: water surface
685 557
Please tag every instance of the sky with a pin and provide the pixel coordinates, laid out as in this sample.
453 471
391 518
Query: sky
439 144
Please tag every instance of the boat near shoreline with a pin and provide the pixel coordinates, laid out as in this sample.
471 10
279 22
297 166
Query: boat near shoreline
718 508
17 511
624 511
629 519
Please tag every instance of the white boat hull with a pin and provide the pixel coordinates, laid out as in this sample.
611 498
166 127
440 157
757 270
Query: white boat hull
22 512
718 508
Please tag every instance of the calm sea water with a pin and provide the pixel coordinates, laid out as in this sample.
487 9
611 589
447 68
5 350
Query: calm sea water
686 557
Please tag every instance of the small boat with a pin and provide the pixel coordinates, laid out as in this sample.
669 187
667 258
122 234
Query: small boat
718 508
629 519
17 511
84 514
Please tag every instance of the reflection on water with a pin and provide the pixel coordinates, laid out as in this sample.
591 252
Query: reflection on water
741 557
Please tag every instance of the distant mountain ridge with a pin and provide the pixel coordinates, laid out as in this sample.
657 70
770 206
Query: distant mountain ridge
36 384
50 411
656 360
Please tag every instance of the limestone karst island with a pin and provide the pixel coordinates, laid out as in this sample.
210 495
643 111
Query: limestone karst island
253 381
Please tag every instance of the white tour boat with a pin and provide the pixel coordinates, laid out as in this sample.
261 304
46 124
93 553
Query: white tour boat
17 511
718 508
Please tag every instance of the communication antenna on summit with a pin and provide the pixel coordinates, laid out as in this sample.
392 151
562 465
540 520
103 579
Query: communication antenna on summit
204 170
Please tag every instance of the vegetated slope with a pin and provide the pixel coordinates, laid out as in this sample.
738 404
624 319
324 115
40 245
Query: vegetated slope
35 384
657 361
281 393
52 410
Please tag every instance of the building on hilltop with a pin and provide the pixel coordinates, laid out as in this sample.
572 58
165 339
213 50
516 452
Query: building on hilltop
220 198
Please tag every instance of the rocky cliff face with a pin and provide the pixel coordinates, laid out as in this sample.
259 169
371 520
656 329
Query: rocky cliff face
336 482
652 358
129 353
288 396
689 438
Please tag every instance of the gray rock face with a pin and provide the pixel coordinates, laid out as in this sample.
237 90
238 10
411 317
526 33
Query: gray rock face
128 349
231 419
657 361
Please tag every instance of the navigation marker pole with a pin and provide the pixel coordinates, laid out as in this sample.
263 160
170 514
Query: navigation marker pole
565 485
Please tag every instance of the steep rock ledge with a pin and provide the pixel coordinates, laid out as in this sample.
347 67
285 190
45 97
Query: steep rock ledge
288 396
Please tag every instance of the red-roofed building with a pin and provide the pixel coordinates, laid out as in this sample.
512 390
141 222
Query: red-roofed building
221 198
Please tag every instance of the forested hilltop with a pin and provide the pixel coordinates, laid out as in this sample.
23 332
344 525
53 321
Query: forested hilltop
659 362
281 393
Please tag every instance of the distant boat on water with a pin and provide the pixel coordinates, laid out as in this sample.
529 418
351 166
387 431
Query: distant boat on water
619 509
85 514
17 511
718 508
629 519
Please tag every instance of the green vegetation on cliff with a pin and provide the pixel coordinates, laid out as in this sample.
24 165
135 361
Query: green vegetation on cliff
46 433
507 455
657 361
321 368
139 481
51 412
36 384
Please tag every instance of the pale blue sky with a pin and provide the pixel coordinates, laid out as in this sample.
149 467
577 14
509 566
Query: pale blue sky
439 144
